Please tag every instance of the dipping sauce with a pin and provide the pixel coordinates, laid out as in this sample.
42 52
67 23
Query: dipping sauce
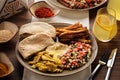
44 12
57 49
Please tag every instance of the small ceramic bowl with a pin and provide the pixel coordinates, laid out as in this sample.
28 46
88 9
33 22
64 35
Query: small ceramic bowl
8 26
5 60
41 4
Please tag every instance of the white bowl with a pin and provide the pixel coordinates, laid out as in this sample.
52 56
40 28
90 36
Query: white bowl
4 59
9 26
40 4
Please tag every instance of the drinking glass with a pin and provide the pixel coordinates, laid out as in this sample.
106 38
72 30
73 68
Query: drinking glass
115 4
105 26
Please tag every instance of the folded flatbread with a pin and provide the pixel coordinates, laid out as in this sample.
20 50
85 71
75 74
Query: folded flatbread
34 43
37 27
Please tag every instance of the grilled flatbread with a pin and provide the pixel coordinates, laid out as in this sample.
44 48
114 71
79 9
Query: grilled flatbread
34 43
37 27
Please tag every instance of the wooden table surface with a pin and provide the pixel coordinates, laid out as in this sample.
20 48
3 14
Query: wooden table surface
25 17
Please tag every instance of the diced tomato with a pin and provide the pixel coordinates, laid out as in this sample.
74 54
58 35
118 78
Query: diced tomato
67 54
75 49
88 1
70 50
78 48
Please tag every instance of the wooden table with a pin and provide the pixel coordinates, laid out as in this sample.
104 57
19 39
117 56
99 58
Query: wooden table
106 48
25 17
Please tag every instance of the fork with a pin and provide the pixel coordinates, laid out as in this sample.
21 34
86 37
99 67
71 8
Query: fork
102 61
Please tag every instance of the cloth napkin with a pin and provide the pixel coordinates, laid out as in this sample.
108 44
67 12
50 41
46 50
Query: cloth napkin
65 16
83 75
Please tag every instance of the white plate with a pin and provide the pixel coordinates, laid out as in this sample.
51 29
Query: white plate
56 3
9 26
65 72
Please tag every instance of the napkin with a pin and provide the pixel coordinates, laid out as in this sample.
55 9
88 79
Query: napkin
83 75
9 8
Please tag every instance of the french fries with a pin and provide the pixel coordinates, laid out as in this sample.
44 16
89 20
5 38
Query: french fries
72 32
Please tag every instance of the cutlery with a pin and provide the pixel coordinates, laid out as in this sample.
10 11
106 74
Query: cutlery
102 61
110 63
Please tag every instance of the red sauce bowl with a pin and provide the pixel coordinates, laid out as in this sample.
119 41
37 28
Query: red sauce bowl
43 11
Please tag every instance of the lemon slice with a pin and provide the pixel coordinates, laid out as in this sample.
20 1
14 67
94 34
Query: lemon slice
104 22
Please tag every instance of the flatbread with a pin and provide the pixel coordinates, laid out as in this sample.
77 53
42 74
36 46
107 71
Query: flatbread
37 27
34 43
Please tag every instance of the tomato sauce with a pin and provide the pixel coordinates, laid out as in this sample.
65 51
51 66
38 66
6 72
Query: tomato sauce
44 12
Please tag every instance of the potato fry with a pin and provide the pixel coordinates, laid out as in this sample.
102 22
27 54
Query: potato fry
74 32
74 26
71 32
61 30
69 36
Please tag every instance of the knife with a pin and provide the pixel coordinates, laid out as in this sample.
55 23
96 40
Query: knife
110 63
102 61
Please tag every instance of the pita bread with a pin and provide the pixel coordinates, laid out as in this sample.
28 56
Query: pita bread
37 27
34 43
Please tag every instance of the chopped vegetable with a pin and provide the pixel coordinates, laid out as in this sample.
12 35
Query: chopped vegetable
76 56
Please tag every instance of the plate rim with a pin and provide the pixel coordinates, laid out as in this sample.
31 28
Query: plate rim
64 7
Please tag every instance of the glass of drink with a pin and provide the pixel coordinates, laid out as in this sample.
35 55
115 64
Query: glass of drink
115 4
105 25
